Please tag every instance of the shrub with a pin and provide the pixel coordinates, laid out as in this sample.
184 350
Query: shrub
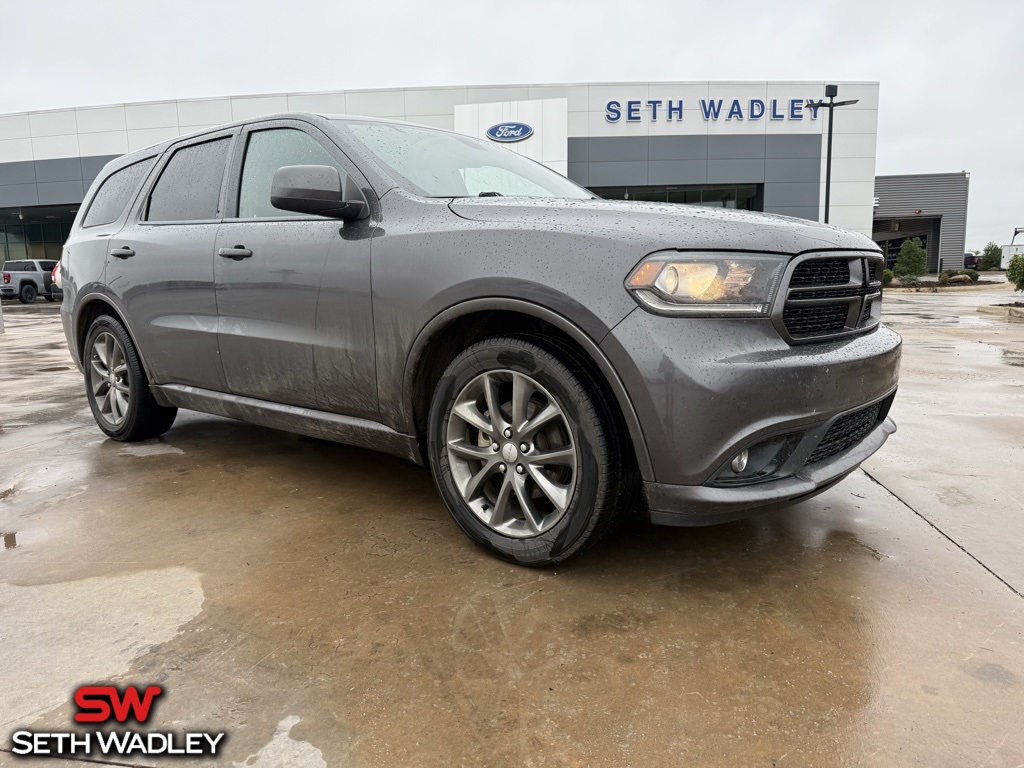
887 276
910 281
944 278
971 273
991 256
912 260
1015 272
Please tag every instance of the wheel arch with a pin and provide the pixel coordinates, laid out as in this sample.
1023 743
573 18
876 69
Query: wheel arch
452 330
91 307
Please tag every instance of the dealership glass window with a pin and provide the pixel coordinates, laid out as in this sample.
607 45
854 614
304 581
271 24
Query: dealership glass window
266 152
115 193
37 232
16 247
740 196
189 186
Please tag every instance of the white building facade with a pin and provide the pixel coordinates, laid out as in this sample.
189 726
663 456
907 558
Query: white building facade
751 145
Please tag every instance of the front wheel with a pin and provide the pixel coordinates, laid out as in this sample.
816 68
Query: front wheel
527 456
116 385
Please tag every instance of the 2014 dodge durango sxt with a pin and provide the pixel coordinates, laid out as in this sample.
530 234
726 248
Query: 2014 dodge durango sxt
558 360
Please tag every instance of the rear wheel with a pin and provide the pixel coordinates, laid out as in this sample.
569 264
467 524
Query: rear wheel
116 385
28 294
528 457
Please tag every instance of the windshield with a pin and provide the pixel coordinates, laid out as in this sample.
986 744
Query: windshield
436 163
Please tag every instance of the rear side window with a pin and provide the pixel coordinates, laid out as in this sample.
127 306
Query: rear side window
115 193
19 266
189 187
266 152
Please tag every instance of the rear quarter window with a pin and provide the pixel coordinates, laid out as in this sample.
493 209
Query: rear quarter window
19 266
117 190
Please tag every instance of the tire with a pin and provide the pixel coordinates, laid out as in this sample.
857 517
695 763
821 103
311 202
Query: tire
119 394
574 483
27 294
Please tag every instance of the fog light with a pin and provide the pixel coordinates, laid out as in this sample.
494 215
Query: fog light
739 462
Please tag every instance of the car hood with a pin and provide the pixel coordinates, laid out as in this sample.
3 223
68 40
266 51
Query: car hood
664 225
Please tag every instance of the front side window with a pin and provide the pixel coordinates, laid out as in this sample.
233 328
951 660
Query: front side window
436 163
189 187
116 193
265 153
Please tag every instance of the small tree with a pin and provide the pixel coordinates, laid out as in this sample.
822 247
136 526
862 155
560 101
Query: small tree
991 256
1015 272
912 260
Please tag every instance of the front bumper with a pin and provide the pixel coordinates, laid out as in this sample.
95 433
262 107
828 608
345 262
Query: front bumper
705 390
695 505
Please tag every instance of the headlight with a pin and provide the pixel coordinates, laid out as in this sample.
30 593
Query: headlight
706 284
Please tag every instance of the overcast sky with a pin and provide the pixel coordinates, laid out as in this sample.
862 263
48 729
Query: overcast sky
952 96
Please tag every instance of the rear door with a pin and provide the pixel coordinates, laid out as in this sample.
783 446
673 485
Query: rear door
269 270
161 263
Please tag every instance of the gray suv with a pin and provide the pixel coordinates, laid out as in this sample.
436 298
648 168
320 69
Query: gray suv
559 361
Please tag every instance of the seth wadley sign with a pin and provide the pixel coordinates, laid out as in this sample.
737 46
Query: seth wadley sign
712 109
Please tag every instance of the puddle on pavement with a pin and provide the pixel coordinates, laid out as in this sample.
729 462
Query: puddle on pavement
150 449
10 540
1013 357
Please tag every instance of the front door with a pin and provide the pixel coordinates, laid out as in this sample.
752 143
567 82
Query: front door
269 268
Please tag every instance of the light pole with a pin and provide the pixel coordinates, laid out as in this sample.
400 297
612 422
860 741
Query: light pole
831 91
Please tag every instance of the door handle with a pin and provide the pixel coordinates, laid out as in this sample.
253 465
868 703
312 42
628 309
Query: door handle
237 253
122 253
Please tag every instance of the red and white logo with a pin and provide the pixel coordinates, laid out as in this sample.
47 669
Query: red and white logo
100 703
112 706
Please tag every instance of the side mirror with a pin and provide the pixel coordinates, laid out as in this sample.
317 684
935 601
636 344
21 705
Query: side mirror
315 189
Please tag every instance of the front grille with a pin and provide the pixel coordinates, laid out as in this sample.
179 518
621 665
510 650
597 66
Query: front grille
846 432
830 296
822 272
815 320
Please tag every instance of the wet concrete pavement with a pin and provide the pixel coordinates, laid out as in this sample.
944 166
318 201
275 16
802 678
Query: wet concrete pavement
317 603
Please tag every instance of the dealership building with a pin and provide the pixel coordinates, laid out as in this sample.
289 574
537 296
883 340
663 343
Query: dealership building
746 145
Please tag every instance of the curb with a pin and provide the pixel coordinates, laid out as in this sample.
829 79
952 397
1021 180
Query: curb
1002 311
950 289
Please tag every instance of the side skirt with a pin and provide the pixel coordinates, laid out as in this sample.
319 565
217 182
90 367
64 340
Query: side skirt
304 421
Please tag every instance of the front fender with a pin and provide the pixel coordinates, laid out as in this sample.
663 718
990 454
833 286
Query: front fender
585 329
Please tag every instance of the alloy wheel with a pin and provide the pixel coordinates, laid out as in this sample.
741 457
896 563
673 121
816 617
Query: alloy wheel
512 454
108 377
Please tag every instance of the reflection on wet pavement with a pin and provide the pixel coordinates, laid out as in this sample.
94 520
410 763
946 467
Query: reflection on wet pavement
317 602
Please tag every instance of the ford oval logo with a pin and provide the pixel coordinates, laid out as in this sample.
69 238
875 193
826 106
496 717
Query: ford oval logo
509 132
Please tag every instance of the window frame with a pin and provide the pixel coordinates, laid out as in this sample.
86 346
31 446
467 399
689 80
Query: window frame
84 210
141 207
233 188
